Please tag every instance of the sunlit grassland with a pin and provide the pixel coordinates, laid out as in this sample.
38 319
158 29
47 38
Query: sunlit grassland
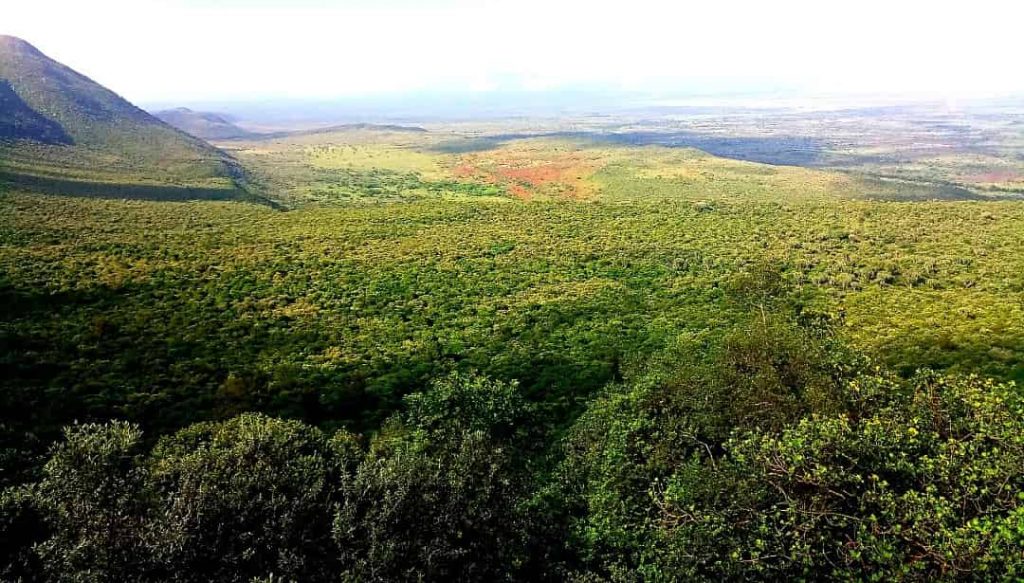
403 152
347 167
686 174
370 156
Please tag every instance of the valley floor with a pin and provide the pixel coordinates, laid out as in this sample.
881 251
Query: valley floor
452 356
545 261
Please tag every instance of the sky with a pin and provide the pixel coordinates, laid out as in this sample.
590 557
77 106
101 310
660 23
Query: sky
184 51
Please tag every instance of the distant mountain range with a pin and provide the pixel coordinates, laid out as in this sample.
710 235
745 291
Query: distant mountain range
219 126
348 127
58 127
209 126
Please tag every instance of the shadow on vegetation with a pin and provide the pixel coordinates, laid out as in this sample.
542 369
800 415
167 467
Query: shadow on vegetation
999 356
785 150
882 188
18 121
104 190
28 418
19 303
782 150
470 145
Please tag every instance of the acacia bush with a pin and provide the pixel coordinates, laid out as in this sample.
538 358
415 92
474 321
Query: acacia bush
921 480
684 405
248 497
95 500
916 479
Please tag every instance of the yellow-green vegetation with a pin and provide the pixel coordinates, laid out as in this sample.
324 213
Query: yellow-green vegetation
361 166
346 166
371 156
342 304
536 359
658 172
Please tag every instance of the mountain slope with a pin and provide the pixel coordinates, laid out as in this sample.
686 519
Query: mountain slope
20 122
205 125
57 124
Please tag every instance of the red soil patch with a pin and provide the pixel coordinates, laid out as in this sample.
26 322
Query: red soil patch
559 174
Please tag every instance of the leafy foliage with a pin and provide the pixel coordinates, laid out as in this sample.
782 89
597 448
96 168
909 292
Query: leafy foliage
247 497
438 497
913 480
93 494
909 479
920 481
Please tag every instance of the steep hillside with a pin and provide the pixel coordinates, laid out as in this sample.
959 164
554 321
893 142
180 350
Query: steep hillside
59 130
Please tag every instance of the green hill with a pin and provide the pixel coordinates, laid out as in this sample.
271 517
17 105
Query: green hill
62 132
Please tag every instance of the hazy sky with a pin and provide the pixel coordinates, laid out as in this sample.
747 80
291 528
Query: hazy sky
182 50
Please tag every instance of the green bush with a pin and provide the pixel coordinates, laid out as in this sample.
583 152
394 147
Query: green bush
922 480
438 497
95 501
248 497
916 480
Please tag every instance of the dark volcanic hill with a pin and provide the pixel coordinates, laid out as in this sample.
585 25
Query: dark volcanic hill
59 126
209 126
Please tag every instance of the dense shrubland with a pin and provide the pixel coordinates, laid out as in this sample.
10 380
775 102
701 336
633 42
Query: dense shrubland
713 370
765 452
168 314
761 449
776 453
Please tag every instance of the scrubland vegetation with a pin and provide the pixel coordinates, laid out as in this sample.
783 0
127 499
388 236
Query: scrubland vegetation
549 358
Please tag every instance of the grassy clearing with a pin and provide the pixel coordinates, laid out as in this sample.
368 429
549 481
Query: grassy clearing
369 157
